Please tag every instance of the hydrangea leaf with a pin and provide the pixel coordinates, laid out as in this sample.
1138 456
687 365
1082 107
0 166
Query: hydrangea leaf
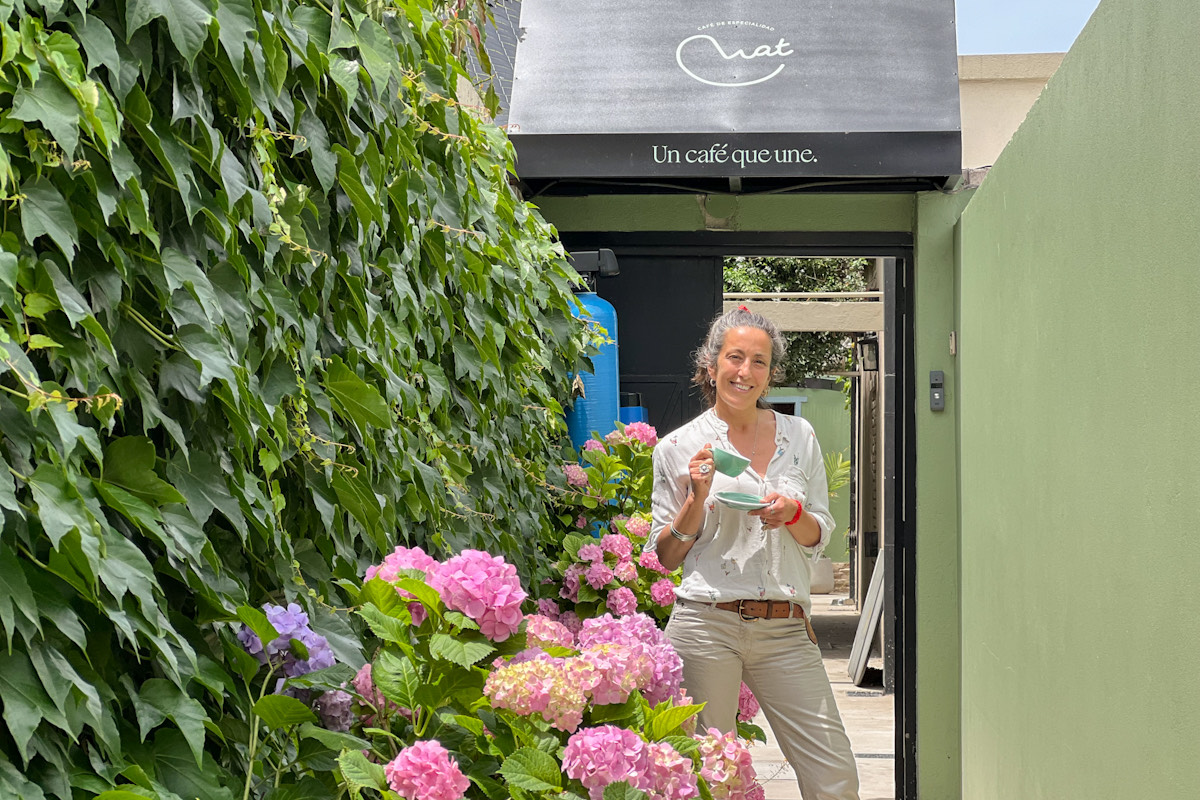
280 711
623 791
397 678
359 773
532 770
463 653
667 722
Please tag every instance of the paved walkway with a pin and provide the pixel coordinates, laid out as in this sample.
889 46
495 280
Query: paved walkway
866 711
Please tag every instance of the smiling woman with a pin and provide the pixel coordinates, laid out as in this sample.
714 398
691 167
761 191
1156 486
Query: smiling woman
744 541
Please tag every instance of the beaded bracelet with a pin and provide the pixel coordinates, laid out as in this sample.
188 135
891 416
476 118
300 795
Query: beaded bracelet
795 519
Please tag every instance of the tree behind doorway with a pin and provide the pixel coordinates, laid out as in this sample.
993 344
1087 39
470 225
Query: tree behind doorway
809 355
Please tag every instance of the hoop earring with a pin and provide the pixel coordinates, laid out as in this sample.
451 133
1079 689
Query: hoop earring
712 381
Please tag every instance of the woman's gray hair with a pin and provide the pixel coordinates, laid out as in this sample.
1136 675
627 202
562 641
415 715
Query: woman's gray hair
706 355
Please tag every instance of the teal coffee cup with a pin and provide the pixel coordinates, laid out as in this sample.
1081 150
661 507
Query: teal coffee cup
729 463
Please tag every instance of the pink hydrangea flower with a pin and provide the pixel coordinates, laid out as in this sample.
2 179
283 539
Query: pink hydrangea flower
598 575
580 522
591 552
756 792
593 444
622 601
727 766
638 526
551 687
575 475
548 608
425 771
625 571
669 775
642 432
617 670
747 704
662 592
617 544
649 560
483 587
405 558
614 524
639 632
597 757
544 632
570 587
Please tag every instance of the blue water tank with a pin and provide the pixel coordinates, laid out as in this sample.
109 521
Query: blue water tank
598 408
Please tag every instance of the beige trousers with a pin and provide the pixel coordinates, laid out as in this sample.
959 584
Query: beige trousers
783 668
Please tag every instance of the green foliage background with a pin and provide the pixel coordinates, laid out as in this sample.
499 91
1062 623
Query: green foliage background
809 355
268 307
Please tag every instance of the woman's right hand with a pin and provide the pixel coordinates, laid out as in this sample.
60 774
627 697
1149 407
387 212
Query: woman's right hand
701 470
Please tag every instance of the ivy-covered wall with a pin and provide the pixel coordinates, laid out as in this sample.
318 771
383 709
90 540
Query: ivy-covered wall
268 308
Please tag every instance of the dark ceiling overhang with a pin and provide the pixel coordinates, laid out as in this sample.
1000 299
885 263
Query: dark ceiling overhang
733 95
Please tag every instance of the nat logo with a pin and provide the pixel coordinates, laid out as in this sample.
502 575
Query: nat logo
733 53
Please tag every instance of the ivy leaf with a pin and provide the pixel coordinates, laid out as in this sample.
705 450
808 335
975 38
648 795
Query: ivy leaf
44 211
397 679
187 22
160 699
8 273
15 594
280 711
58 504
532 770
50 104
463 653
8 490
172 762
25 702
129 464
357 399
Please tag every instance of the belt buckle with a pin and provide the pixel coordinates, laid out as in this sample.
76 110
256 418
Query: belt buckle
742 613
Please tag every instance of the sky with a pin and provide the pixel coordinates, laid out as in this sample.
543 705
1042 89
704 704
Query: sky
1020 26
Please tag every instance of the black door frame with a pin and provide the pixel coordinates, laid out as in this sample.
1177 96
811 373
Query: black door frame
900 458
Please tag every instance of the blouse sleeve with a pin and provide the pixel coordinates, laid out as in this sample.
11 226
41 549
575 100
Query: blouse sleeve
669 492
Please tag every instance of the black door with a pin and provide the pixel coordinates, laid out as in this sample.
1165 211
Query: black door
664 305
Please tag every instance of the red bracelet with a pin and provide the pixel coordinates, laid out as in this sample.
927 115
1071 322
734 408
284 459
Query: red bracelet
795 519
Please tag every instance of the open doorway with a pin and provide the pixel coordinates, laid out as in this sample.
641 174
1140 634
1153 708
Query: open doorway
670 286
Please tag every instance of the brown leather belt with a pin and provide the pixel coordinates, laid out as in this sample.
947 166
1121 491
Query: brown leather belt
763 609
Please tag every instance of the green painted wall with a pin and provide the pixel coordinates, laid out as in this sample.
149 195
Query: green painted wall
1080 544
938 624
931 218
826 410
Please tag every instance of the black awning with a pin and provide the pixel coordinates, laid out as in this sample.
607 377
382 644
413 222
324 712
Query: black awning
761 91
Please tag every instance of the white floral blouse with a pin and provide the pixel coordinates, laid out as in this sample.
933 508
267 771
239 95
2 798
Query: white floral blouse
735 558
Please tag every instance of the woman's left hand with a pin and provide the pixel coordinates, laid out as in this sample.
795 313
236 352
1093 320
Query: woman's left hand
780 510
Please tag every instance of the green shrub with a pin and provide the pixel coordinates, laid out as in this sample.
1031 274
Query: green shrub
267 307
